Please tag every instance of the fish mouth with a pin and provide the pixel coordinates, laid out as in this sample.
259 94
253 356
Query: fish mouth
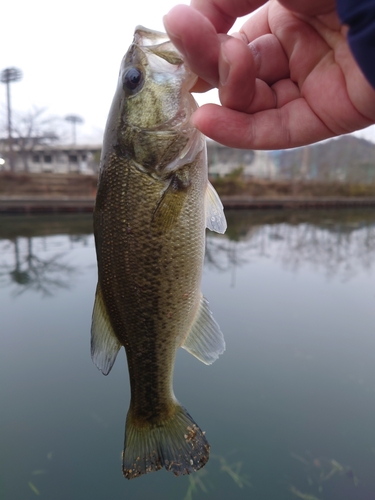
145 37
159 44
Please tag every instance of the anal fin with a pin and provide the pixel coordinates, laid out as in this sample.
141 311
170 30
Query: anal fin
205 340
104 343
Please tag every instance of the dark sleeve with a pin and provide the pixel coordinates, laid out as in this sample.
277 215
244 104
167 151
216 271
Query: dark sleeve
359 15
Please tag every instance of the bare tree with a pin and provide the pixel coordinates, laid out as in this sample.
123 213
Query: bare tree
31 129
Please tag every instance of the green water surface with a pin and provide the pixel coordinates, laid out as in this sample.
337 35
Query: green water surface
289 409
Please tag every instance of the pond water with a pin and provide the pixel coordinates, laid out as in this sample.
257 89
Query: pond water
289 409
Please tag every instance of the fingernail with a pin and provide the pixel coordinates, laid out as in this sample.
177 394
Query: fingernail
224 65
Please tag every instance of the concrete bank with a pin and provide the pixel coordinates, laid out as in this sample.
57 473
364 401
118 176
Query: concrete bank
35 205
243 202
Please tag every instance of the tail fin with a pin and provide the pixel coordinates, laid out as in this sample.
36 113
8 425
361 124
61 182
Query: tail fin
179 445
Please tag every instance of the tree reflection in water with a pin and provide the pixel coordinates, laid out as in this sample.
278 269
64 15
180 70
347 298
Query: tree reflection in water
34 250
29 271
341 242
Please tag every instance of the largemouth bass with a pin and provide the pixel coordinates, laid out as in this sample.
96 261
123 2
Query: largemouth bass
153 204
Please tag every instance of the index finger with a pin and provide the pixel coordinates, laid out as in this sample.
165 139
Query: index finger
223 13
196 39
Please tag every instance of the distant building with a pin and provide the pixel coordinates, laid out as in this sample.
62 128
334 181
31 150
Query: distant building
223 160
58 158
84 159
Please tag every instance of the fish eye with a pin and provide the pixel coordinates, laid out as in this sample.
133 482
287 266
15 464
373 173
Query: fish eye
132 80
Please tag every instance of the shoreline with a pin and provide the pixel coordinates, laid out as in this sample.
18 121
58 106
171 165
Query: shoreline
85 204
44 205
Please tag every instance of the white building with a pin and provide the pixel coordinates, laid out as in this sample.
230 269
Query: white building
84 159
223 160
62 158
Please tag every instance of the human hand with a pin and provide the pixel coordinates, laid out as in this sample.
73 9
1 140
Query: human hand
286 80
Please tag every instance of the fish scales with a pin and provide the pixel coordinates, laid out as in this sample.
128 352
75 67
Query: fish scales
153 204
157 275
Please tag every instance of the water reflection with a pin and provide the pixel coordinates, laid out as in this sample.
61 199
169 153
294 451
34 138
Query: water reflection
337 242
34 252
44 274
289 408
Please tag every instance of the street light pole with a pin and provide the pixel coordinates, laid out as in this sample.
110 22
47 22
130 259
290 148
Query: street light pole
74 120
7 76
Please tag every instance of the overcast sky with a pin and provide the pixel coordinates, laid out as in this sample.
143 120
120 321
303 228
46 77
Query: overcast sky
70 53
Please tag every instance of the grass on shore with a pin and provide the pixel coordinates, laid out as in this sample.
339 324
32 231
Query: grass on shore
47 184
272 189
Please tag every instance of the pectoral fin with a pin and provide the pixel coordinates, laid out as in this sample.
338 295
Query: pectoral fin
170 205
104 343
205 340
215 218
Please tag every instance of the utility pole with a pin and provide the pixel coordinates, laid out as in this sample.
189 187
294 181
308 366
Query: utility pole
74 120
7 76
